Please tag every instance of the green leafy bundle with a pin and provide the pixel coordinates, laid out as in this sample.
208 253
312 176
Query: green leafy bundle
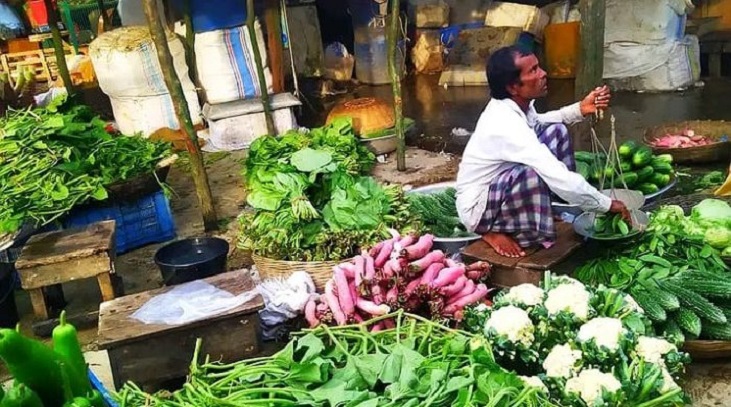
54 158
311 199
438 213
417 363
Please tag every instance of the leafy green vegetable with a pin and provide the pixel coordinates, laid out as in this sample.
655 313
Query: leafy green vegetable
54 158
438 213
712 212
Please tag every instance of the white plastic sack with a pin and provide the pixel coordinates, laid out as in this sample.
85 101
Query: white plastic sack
226 67
646 21
126 64
338 62
131 12
147 114
285 299
190 302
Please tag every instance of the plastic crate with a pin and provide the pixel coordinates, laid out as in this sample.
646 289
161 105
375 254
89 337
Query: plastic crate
147 220
99 386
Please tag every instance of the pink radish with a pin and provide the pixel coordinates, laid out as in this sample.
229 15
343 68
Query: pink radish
372 309
310 316
431 273
395 235
359 270
322 307
412 286
332 301
451 262
407 240
348 269
370 268
479 293
392 295
459 315
389 324
420 248
468 289
373 252
448 276
377 294
344 295
450 290
377 327
384 254
357 318
436 256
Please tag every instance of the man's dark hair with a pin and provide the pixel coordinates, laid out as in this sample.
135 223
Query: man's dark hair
502 72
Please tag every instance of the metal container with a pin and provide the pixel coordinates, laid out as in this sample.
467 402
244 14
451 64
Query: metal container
192 259
449 245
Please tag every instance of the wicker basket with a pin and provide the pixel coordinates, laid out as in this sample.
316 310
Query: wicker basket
321 271
699 155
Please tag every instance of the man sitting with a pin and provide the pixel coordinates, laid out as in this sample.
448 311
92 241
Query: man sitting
517 158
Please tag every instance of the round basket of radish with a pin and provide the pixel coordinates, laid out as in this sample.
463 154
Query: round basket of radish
400 273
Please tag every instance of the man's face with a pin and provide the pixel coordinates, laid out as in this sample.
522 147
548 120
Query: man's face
533 84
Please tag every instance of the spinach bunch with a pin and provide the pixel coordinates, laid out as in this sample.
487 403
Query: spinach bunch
54 158
311 199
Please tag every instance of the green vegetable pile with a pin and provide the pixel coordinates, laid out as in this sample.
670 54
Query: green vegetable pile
417 363
637 168
675 273
54 158
438 213
610 225
45 376
311 198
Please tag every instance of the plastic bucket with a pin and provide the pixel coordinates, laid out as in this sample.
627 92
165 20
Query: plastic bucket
192 259
8 309
562 43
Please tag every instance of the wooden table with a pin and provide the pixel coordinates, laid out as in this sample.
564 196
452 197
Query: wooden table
62 256
509 272
151 354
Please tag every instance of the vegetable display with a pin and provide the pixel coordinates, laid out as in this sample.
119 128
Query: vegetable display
54 158
399 273
438 213
687 138
45 376
610 225
415 363
585 346
638 168
311 199
675 273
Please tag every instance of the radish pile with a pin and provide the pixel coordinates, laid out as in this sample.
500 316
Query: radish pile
400 273
687 138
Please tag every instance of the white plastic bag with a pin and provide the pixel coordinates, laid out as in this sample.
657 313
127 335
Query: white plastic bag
190 302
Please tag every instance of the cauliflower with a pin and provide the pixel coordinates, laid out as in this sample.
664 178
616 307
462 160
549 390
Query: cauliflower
570 297
632 304
652 350
526 294
561 361
605 332
590 383
512 323
668 383
535 382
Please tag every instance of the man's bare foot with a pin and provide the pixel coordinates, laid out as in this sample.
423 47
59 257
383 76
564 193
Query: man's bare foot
503 244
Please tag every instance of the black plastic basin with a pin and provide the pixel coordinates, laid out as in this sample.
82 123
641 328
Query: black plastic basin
192 259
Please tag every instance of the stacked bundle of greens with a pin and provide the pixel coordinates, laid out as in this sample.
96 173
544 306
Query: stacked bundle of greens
675 272
417 363
311 198
54 158
585 347
438 213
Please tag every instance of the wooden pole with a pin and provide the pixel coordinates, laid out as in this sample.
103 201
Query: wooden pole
105 18
590 71
200 178
394 31
250 19
63 69
273 22
190 43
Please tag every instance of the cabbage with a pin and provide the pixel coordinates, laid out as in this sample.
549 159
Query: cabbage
718 237
668 212
712 212
726 252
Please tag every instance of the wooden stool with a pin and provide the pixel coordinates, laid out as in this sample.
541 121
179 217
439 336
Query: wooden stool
151 355
509 272
59 257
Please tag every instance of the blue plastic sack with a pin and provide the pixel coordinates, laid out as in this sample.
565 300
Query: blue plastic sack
11 26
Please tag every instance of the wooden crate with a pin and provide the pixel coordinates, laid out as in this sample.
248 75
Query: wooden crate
149 354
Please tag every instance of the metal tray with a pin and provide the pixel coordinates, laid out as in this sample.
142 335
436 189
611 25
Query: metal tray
584 225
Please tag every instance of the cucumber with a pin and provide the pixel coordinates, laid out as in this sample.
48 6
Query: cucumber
689 321
645 173
625 167
659 179
628 148
664 157
584 156
642 156
694 302
652 309
583 169
647 188
629 178
720 332
661 166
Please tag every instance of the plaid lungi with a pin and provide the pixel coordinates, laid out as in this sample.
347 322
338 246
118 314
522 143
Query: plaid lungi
519 201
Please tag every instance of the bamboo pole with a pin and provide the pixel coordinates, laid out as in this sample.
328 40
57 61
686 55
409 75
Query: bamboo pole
250 18
394 30
200 178
190 43
273 22
63 69
105 17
